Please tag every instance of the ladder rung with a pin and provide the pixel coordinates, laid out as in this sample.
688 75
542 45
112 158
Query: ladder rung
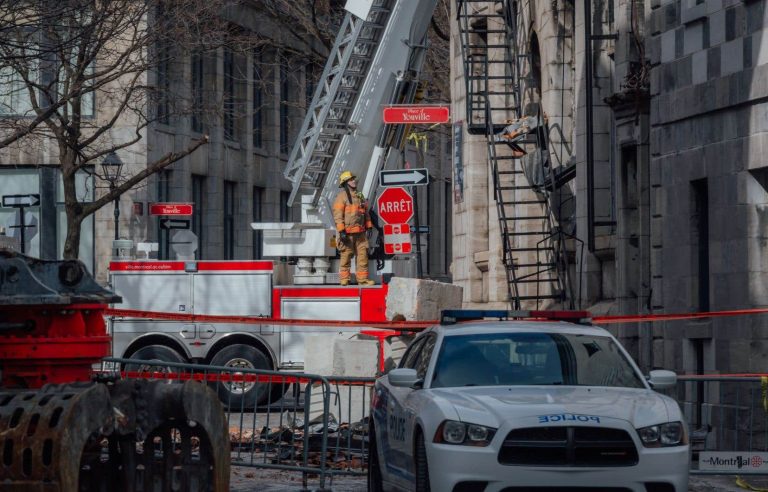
528 233
534 217
529 265
528 250
525 202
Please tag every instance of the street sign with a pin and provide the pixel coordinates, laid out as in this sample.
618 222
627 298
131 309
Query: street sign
397 239
170 209
406 114
395 206
175 223
19 201
184 243
404 177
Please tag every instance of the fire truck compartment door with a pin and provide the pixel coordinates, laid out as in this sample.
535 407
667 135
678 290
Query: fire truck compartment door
162 292
337 309
236 294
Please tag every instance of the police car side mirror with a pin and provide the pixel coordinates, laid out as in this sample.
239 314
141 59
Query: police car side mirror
403 377
661 379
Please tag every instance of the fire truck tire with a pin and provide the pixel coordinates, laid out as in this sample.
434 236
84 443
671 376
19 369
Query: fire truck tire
243 395
158 353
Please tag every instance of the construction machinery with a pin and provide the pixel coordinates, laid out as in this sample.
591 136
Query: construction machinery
62 431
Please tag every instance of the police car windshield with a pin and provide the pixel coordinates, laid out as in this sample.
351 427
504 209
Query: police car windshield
502 359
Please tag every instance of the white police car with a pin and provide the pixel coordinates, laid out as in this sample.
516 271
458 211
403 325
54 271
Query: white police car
524 405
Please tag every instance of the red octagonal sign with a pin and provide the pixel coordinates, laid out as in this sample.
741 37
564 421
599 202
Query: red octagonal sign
395 206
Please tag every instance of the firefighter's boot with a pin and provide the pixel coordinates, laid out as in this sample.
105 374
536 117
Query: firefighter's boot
366 281
344 282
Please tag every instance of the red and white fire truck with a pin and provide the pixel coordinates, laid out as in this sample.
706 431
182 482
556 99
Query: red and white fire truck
376 60
196 289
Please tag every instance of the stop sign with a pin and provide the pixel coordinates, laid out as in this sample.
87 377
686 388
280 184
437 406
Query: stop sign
395 206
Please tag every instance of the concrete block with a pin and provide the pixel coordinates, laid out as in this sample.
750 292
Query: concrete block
357 358
421 299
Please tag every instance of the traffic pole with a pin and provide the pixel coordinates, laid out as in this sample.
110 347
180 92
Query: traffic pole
419 269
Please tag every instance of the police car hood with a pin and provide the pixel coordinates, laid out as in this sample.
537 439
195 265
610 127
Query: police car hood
536 405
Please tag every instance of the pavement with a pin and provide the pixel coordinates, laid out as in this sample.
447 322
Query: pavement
245 479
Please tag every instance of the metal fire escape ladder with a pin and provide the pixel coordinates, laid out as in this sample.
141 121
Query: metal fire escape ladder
534 259
329 113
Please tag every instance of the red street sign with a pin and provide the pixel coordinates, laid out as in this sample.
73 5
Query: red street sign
170 209
417 114
397 239
395 206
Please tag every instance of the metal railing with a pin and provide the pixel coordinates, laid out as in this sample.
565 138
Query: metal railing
298 422
725 414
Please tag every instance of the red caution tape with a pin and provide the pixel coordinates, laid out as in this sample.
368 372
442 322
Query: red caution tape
209 318
606 320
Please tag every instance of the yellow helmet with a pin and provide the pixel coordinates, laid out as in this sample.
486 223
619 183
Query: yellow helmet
346 176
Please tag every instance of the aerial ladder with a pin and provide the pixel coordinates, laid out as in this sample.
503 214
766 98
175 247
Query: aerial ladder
376 60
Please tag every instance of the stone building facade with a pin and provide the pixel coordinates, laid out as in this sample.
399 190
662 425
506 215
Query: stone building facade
680 184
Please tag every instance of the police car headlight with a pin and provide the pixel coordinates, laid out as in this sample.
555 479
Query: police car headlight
663 435
453 432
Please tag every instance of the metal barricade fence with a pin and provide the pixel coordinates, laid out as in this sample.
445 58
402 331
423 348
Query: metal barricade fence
304 423
728 423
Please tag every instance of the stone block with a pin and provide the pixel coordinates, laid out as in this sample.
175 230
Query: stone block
699 67
421 299
732 56
717 28
667 46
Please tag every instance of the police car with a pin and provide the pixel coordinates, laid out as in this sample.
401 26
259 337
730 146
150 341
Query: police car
512 405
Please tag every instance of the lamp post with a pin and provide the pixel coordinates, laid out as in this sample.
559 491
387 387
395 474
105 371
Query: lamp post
112 166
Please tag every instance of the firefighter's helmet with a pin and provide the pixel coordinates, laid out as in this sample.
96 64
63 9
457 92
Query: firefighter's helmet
346 176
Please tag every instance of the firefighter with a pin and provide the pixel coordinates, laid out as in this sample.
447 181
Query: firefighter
350 212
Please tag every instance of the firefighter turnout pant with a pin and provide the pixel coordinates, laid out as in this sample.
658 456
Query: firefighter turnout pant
355 245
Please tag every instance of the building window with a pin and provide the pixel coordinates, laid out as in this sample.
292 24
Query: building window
198 200
230 188
285 99
163 195
700 232
229 94
198 91
257 101
285 210
257 216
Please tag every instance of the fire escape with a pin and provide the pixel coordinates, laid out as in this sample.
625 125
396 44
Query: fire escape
517 134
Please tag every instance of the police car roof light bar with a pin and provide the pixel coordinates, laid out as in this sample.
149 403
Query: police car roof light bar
453 316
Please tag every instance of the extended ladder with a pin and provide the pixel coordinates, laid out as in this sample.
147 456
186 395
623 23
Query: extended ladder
328 115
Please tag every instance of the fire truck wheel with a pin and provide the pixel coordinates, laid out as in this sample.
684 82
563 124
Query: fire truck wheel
155 353
241 395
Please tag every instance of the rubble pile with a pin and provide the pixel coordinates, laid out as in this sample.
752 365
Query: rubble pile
285 444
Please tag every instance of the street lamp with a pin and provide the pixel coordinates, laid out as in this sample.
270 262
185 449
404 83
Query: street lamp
112 166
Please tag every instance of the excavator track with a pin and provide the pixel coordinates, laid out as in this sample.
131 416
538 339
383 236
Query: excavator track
122 436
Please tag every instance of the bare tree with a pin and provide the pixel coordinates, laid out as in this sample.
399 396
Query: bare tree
58 57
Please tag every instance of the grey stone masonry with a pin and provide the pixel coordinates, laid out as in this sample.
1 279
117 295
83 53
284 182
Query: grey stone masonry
708 168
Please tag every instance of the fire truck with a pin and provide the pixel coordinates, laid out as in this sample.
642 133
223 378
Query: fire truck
375 60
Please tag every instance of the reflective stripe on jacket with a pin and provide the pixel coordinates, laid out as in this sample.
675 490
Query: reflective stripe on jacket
351 217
